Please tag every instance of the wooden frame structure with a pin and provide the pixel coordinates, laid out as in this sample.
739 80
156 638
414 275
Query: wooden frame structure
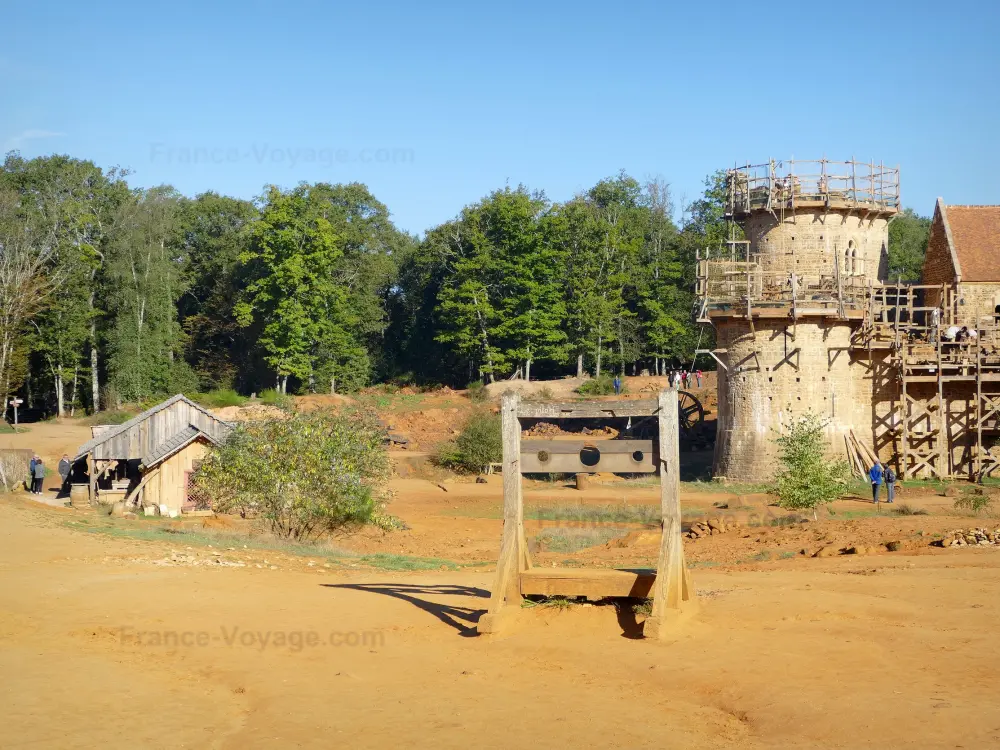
669 585
931 371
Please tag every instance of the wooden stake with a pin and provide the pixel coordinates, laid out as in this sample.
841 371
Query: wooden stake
672 589
513 549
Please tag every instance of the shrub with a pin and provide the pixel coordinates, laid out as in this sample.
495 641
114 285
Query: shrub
809 479
974 503
304 475
543 395
603 385
274 397
479 445
477 391
909 510
219 398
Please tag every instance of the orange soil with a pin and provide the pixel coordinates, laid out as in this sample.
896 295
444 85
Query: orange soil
895 650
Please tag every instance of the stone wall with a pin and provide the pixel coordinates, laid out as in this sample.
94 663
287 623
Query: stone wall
812 244
773 379
977 302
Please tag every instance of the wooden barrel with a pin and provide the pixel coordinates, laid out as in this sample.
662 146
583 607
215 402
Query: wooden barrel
79 495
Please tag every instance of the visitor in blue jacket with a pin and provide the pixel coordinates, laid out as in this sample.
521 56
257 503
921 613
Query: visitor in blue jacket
875 474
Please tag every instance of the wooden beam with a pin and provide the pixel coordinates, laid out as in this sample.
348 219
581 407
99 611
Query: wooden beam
513 547
672 590
588 409
591 583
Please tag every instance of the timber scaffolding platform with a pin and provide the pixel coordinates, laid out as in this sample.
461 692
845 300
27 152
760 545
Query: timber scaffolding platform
932 371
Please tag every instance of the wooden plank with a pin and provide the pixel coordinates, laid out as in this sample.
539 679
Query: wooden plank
513 548
567 456
672 588
588 409
591 583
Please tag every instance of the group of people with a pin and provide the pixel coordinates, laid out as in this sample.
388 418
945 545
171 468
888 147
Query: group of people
881 474
684 378
675 378
37 472
960 335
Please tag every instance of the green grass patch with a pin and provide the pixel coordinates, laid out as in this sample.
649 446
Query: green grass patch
550 602
573 540
218 399
113 416
643 514
274 397
732 488
156 530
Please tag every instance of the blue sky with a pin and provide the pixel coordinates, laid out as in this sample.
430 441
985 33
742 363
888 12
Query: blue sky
435 105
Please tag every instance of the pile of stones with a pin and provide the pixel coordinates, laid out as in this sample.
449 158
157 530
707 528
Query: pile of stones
982 537
711 527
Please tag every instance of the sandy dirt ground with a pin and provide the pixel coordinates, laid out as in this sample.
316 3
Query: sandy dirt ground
112 641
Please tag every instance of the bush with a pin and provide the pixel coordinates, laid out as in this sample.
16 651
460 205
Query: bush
304 476
974 503
273 397
909 510
219 398
479 445
604 385
477 391
809 479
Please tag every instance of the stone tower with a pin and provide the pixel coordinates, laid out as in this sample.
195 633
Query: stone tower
808 242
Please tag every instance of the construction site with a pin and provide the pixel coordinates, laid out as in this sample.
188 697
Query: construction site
808 318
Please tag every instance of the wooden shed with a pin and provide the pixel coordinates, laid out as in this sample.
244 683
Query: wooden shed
149 459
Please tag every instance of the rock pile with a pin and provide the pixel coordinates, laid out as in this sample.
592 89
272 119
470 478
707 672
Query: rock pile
542 429
711 527
981 537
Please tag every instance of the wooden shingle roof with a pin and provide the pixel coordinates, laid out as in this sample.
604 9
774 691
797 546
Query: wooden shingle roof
175 443
136 439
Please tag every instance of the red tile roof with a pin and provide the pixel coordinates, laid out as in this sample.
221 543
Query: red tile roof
974 234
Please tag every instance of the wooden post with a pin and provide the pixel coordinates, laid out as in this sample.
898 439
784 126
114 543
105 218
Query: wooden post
672 590
93 479
513 548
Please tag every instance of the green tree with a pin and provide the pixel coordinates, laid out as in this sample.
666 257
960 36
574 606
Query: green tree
908 236
142 279
304 476
808 478
212 232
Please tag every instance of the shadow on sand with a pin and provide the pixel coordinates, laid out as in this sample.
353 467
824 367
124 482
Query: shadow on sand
463 619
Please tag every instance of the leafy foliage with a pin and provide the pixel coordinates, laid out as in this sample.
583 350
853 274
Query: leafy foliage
479 445
908 236
972 502
303 476
602 385
808 479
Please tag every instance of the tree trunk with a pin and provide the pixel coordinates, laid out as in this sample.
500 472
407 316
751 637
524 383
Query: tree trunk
284 384
60 394
600 348
95 378
579 365
72 398
333 386
527 371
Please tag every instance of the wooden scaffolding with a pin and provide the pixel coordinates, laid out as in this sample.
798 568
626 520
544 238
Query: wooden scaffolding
934 370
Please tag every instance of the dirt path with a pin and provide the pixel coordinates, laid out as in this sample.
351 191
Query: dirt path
895 651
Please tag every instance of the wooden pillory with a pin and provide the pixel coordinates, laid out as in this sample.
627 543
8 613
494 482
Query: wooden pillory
669 585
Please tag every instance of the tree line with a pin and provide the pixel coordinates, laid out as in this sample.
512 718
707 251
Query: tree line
112 294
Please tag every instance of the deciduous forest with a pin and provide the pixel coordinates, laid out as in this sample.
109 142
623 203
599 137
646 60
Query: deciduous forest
112 294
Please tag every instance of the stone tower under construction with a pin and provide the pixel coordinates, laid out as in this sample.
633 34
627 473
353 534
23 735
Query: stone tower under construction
807 247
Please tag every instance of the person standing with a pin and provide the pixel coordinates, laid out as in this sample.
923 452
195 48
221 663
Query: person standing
617 382
876 476
698 376
38 474
64 469
890 484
